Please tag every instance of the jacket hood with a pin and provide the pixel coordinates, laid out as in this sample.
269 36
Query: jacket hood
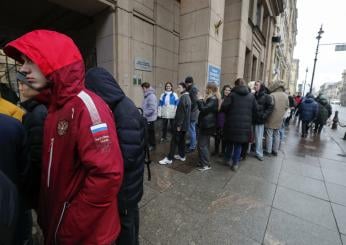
101 82
58 58
308 100
276 86
149 91
323 100
241 90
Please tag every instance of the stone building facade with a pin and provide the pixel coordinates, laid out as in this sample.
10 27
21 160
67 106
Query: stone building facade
166 40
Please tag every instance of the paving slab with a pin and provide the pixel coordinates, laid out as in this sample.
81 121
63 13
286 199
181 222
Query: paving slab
340 215
252 187
244 215
306 185
268 170
306 207
337 193
302 169
309 160
284 228
334 176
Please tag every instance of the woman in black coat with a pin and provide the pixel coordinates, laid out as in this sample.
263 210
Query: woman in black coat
239 108
208 109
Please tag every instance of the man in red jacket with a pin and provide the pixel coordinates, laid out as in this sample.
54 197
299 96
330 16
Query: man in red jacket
82 165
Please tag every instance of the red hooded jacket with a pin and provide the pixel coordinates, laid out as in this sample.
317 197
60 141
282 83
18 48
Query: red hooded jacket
82 165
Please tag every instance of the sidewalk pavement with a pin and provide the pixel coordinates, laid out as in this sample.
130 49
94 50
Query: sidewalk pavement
298 197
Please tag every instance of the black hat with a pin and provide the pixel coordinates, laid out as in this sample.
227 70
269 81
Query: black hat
189 79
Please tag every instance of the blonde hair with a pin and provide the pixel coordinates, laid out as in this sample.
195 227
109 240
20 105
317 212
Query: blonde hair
213 89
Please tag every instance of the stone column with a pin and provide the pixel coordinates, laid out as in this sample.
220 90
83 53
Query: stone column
200 39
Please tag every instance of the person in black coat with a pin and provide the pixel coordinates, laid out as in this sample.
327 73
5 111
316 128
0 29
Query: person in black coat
265 106
207 122
239 108
193 91
181 125
131 133
33 121
14 164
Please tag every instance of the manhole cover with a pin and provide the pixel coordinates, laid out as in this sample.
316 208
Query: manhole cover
182 167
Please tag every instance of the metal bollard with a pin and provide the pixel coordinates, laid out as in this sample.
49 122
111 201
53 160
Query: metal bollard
335 120
344 136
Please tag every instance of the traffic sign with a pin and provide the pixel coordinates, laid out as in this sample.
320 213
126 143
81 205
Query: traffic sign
340 47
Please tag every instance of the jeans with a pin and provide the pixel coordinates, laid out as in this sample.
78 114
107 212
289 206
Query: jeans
151 134
203 149
178 139
165 122
272 140
192 133
236 153
259 132
129 220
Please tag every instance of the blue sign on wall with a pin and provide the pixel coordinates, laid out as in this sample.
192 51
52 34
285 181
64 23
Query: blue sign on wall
214 74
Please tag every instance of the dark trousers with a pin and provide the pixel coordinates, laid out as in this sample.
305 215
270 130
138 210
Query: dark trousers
218 140
178 139
165 122
129 220
203 149
151 134
318 127
305 128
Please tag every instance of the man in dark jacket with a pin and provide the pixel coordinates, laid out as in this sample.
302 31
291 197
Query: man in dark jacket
265 108
324 112
193 91
181 125
130 129
309 110
33 121
82 164
239 107
14 164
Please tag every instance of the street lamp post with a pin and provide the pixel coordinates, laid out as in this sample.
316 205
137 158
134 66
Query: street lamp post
320 32
306 74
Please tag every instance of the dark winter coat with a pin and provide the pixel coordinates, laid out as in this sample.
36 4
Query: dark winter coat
193 91
265 106
208 114
239 107
182 115
324 110
308 110
13 153
33 121
291 101
8 209
130 131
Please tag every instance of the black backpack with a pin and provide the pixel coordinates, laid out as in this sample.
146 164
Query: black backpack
146 143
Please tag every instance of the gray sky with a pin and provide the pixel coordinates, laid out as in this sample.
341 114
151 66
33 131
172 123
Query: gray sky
330 64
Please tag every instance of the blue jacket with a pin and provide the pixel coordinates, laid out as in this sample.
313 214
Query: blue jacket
308 109
130 129
167 110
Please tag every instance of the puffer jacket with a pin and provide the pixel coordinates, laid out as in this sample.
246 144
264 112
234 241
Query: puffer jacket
33 122
82 165
239 108
168 105
149 105
207 119
265 106
309 109
130 131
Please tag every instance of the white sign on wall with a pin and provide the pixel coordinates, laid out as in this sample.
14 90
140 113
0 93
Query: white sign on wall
142 64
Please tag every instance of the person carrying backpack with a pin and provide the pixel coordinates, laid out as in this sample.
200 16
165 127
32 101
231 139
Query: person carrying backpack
324 112
131 133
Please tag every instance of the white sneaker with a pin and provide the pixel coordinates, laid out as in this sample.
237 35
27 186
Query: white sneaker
178 157
165 161
205 168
